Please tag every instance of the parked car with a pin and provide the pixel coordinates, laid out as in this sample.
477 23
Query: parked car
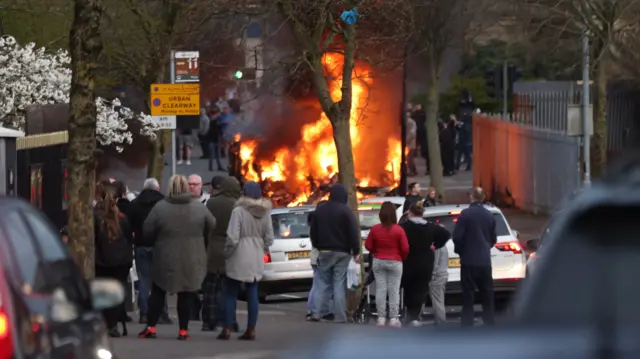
47 308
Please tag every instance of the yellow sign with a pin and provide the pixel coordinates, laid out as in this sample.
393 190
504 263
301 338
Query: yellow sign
170 89
175 105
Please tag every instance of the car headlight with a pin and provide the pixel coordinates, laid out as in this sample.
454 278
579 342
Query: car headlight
102 353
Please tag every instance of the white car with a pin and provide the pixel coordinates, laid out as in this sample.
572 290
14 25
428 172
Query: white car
287 265
397 201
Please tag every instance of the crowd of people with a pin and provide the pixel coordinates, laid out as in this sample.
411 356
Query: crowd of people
182 246
454 133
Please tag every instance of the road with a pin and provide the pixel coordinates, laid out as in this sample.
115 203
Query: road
281 325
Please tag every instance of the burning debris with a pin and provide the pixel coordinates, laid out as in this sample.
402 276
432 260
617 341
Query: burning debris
302 173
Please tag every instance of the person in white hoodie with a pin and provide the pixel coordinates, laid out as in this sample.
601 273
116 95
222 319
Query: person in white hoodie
438 284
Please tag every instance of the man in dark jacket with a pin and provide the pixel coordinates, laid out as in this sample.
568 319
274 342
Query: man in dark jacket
334 232
420 116
139 210
413 197
473 236
225 191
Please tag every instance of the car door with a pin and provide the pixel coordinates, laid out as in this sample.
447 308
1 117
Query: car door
82 330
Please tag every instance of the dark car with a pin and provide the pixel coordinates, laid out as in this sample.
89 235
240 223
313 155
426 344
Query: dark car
47 308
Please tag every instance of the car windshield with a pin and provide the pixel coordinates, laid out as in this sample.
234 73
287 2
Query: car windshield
368 218
291 224
449 222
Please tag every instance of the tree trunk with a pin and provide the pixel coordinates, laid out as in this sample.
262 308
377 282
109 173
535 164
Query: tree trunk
162 143
85 47
433 138
600 131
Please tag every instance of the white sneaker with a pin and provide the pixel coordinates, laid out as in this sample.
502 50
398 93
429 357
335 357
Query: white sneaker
416 323
180 162
395 322
381 322
188 163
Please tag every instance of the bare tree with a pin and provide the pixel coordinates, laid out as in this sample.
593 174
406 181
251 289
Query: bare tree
85 46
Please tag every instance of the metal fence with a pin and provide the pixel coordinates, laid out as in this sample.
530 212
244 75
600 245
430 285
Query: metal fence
529 168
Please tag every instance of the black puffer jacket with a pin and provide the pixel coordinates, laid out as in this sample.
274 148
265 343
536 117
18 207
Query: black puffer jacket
138 211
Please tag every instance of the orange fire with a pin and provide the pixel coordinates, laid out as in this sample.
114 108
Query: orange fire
315 154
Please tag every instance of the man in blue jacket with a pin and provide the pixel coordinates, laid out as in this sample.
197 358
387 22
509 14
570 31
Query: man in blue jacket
473 236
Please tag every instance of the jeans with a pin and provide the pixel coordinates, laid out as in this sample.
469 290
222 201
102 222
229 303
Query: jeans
388 275
332 278
214 153
144 265
231 288
311 302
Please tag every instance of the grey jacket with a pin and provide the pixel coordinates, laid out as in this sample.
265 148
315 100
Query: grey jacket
178 226
249 236
441 263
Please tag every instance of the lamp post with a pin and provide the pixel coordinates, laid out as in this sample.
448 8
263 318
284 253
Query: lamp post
586 139
402 188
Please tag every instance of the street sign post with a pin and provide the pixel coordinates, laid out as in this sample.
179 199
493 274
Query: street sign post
164 122
186 66
175 99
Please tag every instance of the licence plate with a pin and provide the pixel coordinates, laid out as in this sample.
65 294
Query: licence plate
298 254
454 263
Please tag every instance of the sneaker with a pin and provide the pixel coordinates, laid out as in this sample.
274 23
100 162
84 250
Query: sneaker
415 323
329 317
395 322
148 332
381 322
308 317
180 162
183 335
188 163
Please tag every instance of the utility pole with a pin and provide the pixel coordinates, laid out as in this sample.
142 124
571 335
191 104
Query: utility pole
505 90
173 132
586 139
403 129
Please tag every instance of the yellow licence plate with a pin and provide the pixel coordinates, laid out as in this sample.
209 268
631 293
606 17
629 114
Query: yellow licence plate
454 263
299 254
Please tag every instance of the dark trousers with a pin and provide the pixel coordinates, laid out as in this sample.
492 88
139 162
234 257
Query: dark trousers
416 288
481 279
411 162
113 316
463 150
448 159
156 303
212 303
214 154
204 144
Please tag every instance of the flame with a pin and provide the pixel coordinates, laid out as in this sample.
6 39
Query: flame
315 155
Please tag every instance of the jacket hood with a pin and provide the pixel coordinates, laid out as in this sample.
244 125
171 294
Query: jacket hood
257 207
149 196
338 193
182 198
229 187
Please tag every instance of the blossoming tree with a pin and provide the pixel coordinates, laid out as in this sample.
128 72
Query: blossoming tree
33 76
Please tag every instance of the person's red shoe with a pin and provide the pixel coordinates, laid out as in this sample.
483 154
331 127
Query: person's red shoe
148 332
183 335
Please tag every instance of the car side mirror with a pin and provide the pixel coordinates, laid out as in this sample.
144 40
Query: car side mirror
533 244
106 293
516 234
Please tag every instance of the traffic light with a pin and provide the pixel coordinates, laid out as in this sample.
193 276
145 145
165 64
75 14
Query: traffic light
493 82
238 74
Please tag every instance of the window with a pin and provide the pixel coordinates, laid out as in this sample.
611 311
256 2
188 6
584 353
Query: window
368 218
291 224
449 222
46 237
24 250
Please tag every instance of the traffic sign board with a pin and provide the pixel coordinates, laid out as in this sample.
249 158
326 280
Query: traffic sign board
187 66
164 122
170 89
175 104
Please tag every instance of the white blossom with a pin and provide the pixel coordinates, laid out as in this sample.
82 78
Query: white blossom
33 76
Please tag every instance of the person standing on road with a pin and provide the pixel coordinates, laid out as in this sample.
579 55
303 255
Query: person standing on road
473 236
411 143
438 284
203 129
413 196
334 232
225 192
417 269
113 250
178 227
387 244
322 310
138 212
214 136
249 236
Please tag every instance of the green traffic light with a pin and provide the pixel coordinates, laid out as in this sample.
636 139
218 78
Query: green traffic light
238 74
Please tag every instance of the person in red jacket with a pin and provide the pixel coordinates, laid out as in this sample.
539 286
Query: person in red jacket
388 245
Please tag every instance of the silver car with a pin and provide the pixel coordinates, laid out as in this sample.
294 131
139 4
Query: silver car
287 265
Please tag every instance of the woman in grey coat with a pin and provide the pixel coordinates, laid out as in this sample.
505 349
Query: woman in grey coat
249 236
178 227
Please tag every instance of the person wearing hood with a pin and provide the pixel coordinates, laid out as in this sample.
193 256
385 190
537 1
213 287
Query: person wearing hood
417 268
225 191
413 196
139 210
249 236
178 227
334 232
